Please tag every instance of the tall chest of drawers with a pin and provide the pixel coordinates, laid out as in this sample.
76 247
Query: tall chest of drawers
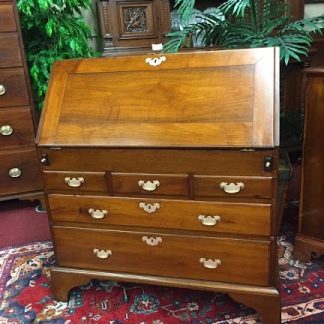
19 168
162 169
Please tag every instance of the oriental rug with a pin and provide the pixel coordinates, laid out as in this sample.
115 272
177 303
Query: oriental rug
25 295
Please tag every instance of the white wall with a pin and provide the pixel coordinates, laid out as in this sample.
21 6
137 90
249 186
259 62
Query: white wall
314 9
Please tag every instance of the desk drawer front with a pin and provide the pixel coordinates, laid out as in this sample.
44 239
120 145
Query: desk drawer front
7 21
150 184
234 218
13 88
235 261
75 181
245 187
19 172
10 50
16 128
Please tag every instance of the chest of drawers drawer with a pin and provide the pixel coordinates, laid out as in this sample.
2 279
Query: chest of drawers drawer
150 184
16 128
193 257
7 21
75 181
9 50
14 88
212 217
19 171
240 187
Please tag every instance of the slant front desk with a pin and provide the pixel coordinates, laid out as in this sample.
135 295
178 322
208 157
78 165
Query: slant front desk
162 169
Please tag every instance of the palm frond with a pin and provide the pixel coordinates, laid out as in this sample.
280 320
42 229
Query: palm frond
236 7
185 8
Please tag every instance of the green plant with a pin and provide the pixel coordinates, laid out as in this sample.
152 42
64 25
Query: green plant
248 23
52 30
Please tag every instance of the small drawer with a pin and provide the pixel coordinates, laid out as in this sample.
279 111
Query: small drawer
19 172
75 181
7 21
245 187
10 50
13 88
139 184
213 217
16 128
191 257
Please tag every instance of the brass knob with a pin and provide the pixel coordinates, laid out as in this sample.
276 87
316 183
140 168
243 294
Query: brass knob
44 159
2 89
6 130
14 173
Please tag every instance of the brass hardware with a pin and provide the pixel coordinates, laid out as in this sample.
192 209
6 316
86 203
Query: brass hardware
149 208
152 240
155 61
102 254
149 185
209 263
268 163
2 89
74 182
97 214
6 130
232 188
44 159
209 220
15 173
248 150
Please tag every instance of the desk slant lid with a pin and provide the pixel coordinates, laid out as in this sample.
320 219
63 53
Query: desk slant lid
206 99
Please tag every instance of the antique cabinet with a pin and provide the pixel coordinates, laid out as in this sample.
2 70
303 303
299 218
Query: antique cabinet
310 236
162 169
19 167
131 26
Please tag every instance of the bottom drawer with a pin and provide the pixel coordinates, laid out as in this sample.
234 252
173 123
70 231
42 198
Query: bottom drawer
19 172
217 259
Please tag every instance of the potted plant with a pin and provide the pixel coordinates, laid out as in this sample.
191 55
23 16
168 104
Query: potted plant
52 30
248 23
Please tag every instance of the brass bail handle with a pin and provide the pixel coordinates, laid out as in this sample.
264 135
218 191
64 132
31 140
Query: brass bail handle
232 188
2 89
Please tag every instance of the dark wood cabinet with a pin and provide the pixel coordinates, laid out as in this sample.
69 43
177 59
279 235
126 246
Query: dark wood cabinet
131 26
19 170
310 237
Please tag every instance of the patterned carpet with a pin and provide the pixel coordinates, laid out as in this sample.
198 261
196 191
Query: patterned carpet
25 295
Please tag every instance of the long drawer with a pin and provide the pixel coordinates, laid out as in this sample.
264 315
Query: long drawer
194 257
19 172
16 128
214 217
14 88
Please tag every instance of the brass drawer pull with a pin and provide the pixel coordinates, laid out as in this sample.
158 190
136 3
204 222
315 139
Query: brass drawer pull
152 240
155 61
97 214
149 208
102 254
209 263
149 185
6 130
15 173
232 188
209 220
74 182
2 90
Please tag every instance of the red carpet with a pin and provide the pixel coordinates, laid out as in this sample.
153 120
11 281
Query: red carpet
25 295
20 223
